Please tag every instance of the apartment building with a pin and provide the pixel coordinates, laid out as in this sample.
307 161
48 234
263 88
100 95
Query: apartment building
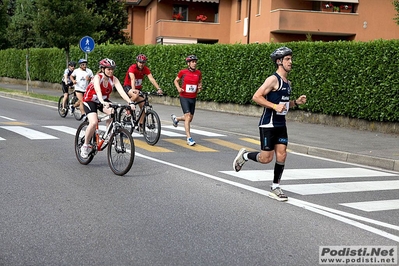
259 21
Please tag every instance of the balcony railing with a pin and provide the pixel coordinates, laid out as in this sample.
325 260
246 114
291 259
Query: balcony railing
314 22
189 29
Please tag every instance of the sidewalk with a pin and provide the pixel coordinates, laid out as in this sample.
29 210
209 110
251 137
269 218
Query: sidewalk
338 143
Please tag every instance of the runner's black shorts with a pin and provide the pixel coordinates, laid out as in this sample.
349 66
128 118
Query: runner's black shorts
188 105
270 136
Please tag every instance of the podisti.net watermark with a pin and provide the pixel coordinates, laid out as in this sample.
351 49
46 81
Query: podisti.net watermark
367 255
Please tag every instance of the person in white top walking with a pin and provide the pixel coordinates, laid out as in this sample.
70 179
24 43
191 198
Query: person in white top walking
81 77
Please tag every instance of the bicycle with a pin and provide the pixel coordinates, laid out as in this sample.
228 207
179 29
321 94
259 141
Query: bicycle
151 128
120 143
72 99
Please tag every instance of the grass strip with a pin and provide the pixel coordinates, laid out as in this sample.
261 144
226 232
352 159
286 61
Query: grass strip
30 94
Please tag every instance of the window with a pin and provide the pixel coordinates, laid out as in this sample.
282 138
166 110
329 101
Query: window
148 18
183 10
258 5
238 9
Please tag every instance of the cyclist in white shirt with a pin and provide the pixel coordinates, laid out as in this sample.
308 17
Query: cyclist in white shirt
81 77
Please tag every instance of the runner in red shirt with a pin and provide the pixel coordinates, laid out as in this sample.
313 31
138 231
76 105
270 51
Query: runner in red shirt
191 83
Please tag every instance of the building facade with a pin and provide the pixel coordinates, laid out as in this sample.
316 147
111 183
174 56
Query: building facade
259 21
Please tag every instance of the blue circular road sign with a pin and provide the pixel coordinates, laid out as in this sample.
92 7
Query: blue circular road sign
86 44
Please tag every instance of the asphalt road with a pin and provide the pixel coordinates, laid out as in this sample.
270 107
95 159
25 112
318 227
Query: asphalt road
178 205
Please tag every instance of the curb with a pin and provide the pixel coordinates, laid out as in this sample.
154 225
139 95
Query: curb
388 164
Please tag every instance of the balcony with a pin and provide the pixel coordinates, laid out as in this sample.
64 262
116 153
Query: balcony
313 22
193 30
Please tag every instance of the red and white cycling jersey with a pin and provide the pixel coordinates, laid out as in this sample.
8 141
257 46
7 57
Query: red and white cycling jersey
91 95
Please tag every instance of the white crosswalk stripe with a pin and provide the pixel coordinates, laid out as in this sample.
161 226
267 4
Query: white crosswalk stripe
331 187
68 130
196 131
169 132
344 187
28 133
378 205
301 174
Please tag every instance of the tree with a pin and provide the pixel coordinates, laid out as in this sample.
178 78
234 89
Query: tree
20 31
396 5
4 18
62 23
114 18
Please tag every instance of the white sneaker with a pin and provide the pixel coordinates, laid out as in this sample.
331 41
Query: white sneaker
175 122
190 142
278 194
84 151
239 160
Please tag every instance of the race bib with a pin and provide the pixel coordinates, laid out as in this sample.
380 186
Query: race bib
138 82
287 107
191 88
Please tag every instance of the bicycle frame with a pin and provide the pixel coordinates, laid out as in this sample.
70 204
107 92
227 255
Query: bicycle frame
101 140
142 110
151 128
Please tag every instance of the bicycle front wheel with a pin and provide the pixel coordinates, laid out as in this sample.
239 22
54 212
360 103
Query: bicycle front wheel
121 152
152 127
80 140
61 112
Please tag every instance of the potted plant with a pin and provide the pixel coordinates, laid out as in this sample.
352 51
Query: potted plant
177 16
201 18
336 9
345 8
327 7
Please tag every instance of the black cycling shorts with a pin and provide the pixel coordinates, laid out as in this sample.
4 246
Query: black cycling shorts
65 87
93 107
127 88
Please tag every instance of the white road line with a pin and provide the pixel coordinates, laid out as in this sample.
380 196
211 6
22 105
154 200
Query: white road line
335 214
196 131
302 174
7 118
372 206
65 129
344 187
29 133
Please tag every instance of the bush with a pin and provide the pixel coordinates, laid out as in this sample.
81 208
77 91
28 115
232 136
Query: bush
353 79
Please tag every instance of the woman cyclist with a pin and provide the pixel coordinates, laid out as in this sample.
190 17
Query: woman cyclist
96 98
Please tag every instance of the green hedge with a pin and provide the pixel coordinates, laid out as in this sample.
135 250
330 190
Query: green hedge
354 79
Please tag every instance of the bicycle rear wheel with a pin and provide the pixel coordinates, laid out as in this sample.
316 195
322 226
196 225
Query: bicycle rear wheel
60 109
80 140
121 152
126 120
77 113
152 127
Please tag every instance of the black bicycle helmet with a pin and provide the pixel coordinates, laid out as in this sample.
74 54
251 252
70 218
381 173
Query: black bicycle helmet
72 63
141 58
191 58
280 53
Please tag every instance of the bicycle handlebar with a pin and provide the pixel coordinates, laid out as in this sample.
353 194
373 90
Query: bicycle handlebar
142 93
119 105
